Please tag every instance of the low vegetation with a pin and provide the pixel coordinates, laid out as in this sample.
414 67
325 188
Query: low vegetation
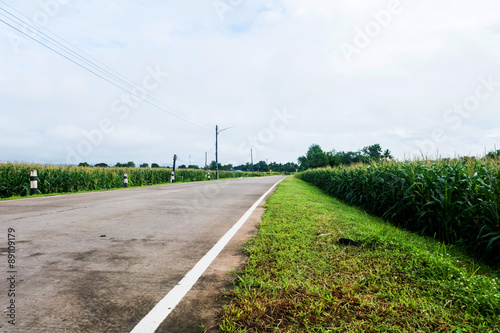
456 201
15 178
299 278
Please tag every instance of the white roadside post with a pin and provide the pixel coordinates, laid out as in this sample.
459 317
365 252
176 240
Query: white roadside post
34 182
125 180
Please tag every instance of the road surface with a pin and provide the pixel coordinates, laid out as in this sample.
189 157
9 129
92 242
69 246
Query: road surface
99 262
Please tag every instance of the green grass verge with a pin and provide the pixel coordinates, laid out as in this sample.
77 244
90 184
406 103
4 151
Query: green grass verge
299 279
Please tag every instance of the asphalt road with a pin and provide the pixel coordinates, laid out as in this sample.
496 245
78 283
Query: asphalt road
99 262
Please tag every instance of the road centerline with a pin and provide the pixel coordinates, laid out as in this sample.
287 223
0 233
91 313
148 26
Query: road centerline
173 191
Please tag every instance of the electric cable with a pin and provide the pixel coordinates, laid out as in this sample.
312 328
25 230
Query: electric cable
110 75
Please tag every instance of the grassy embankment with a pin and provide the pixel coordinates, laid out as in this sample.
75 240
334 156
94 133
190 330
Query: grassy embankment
299 279
456 201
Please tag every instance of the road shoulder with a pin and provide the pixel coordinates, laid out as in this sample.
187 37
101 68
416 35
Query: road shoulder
198 310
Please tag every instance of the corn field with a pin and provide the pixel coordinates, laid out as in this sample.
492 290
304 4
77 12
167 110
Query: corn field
456 201
15 178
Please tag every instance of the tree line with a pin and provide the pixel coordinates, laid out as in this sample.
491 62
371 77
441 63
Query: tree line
119 165
261 166
317 158
314 158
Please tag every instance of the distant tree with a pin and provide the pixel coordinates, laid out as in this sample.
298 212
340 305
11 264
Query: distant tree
387 155
83 164
315 158
226 167
276 167
125 165
243 167
373 152
493 154
144 165
182 166
279 167
212 166
333 158
290 167
349 157
155 165
261 166
101 165
192 166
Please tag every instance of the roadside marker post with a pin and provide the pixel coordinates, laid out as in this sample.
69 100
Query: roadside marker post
33 182
172 179
125 180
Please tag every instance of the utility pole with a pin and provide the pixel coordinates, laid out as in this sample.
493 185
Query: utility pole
216 153
205 165
251 159
216 149
173 169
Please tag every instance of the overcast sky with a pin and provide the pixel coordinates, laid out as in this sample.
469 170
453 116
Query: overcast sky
413 76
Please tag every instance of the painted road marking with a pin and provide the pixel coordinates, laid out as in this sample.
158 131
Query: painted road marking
171 191
160 312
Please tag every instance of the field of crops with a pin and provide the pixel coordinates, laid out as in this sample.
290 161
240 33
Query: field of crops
15 178
456 201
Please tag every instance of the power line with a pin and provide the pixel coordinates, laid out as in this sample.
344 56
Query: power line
65 41
109 76
66 49
182 117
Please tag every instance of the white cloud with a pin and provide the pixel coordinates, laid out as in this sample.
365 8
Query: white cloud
236 69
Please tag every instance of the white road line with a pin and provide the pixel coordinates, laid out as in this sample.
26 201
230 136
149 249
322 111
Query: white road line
158 314
170 191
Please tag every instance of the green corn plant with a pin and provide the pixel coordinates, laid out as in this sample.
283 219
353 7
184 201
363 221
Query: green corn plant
456 201
15 180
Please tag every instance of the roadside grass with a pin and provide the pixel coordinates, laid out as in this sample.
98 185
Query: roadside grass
300 279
